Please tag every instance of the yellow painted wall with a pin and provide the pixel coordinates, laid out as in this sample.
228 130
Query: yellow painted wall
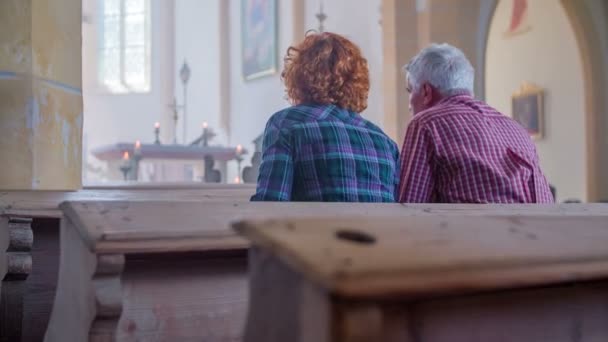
40 96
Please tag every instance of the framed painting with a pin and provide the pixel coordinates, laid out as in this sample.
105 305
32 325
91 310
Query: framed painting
527 109
258 38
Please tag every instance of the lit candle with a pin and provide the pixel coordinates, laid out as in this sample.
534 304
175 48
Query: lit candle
239 149
237 180
126 159
205 125
157 133
137 149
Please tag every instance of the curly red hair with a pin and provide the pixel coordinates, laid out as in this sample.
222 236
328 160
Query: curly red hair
327 68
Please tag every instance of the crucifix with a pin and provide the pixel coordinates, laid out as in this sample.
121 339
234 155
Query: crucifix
321 16
184 75
175 107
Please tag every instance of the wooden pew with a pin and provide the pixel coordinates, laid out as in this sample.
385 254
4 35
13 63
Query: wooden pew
29 244
455 278
134 185
33 204
138 234
130 238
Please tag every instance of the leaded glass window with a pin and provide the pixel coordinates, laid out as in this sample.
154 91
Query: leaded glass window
124 45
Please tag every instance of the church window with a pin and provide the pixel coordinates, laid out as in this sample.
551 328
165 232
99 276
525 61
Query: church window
124 46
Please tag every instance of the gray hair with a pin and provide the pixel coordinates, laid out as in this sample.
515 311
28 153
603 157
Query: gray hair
444 66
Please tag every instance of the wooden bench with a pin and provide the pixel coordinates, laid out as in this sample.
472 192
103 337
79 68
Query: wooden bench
198 292
455 278
138 234
29 244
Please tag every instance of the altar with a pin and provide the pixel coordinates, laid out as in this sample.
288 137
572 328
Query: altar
169 163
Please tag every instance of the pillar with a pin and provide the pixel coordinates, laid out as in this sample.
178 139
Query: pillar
400 44
40 95
458 22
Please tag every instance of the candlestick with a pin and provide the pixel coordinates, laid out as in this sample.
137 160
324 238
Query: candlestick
184 75
239 158
137 156
126 165
207 134
157 133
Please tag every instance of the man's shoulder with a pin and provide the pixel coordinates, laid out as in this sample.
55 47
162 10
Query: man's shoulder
432 114
452 108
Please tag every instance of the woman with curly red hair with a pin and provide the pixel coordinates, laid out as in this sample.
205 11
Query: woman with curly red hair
321 149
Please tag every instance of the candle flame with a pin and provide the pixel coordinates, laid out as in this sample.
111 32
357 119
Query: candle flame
157 125
137 145
239 148
237 180
205 125
125 156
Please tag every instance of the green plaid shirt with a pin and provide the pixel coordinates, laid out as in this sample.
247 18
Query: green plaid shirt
326 154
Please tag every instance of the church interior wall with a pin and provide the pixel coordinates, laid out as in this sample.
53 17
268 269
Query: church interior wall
197 41
556 66
254 101
110 118
360 21
593 28
237 109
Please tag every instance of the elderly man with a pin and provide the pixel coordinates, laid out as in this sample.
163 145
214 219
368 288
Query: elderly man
458 149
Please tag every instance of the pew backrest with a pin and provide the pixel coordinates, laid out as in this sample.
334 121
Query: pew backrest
366 257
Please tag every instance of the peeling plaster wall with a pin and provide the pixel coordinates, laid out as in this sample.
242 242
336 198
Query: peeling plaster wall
40 97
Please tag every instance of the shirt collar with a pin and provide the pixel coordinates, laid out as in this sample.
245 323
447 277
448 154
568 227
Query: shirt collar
457 95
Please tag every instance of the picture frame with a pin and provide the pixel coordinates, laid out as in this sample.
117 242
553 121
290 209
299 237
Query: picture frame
527 109
259 40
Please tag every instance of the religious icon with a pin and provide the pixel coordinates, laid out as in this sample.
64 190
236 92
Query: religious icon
527 106
259 37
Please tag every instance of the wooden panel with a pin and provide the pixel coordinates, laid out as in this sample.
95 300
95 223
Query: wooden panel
166 297
17 265
561 314
418 255
169 186
11 310
277 313
74 309
182 226
184 297
46 203
42 281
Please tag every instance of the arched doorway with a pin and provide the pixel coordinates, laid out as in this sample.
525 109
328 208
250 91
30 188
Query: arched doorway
540 47
588 31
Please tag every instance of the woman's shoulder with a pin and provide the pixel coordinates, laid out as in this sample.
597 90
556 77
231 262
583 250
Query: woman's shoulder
297 114
375 128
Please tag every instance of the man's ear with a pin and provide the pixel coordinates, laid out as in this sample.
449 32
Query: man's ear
427 94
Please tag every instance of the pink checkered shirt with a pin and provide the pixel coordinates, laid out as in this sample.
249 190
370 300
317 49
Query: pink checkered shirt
464 151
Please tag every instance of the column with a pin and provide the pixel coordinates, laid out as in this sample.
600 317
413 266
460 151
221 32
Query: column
40 94
400 44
